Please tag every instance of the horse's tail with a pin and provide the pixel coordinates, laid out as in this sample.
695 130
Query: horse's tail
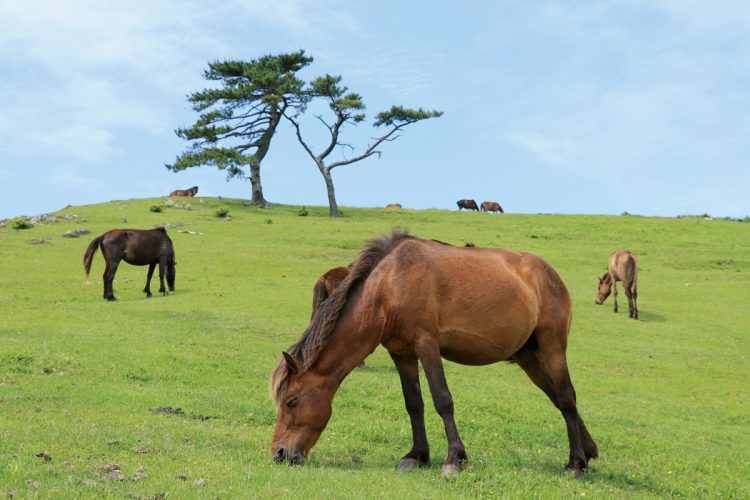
322 325
90 251
631 270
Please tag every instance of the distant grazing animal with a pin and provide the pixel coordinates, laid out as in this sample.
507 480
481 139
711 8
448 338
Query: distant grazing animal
491 206
139 247
325 286
185 192
393 205
467 204
423 300
623 266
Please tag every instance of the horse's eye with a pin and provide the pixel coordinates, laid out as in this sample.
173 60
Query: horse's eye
291 403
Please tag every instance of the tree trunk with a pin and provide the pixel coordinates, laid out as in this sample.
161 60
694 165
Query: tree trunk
333 207
257 198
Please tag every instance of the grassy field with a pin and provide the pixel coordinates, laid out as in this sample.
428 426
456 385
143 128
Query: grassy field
86 384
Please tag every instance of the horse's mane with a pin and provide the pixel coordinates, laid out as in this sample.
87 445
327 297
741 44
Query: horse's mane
317 335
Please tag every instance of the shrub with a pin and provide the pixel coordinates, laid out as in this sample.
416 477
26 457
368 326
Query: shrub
21 223
303 212
155 208
222 212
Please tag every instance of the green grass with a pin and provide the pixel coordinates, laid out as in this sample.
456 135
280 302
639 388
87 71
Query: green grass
666 398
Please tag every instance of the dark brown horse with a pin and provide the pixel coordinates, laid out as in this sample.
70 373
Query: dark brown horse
423 300
467 204
185 192
325 285
623 266
491 206
394 205
140 247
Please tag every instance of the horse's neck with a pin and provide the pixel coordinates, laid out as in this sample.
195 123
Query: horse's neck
349 345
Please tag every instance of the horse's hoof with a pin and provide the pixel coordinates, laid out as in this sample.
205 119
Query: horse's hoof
407 464
111 299
450 469
576 472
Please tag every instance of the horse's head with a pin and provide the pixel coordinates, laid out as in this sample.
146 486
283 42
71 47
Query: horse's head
303 409
605 288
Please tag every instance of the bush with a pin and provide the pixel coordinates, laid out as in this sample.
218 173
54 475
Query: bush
155 208
222 212
303 212
21 223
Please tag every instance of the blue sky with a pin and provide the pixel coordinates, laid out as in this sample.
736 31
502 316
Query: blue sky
550 106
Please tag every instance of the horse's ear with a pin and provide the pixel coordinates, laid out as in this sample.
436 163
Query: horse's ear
291 362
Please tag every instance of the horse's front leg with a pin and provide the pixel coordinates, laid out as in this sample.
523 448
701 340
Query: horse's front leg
148 279
614 292
429 355
408 372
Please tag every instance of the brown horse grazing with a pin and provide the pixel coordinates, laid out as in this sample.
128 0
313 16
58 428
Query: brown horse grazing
491 206
623 266
467 204
423 300
185 192
139 247
394 205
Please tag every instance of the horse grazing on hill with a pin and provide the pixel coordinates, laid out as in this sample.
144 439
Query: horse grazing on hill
491 206
623 266
394 205
467 204
185 192
423 300
139 247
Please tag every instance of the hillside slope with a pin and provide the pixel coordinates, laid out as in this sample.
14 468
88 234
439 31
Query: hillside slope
174 389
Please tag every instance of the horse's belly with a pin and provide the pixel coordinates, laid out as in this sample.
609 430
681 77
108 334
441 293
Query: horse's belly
482 348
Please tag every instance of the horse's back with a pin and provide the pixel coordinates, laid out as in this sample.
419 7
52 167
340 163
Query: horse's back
623 264
481 304
138 246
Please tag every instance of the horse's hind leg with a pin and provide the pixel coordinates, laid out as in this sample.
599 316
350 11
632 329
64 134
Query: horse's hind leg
162 270
109 276
547 368
631 302
148 279
429 355
408 372
635 302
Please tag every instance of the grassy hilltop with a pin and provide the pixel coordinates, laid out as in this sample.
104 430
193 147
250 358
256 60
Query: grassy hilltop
91 383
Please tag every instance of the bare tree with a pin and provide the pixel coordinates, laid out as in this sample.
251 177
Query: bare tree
348 108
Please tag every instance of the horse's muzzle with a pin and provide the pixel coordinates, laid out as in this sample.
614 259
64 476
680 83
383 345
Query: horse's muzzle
597 301
294 457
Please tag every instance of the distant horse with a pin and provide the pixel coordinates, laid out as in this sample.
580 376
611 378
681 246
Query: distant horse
139 247
394 205
421 300
326 284
623 266
491 206
467 204
185 192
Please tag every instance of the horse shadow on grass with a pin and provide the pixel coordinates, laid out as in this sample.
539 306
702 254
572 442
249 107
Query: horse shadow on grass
650 317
